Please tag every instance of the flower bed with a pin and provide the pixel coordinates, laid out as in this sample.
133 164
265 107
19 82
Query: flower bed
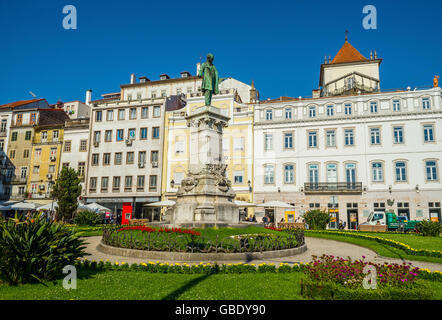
393 243
337 278
186 240
165 230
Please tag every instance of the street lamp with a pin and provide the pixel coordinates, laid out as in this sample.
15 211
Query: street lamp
50 184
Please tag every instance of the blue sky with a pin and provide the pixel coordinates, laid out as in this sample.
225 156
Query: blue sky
279 44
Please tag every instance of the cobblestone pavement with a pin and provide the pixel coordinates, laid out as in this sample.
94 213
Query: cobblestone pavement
315 246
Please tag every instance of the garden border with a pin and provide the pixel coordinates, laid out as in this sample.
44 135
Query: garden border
186 256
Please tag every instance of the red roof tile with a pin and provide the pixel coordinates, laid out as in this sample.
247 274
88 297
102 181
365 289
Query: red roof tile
18 103
348 54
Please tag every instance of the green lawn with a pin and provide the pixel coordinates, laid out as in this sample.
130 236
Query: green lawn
139 285
153 286
413 240
388 251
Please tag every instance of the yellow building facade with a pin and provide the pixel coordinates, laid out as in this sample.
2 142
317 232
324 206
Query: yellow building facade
237 145
45 162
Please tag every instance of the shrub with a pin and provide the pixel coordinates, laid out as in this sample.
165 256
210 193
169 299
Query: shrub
429 228
317 219
87 218
36 249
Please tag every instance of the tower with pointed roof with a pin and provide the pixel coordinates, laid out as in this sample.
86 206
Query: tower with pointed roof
349 73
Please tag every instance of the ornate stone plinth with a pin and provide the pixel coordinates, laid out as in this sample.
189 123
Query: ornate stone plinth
205 197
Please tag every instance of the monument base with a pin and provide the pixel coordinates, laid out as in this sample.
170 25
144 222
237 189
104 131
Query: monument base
205 198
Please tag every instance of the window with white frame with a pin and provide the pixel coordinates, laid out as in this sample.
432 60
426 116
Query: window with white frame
312 139
110 115
133 113
396 105
312 112
375 135
330 111
288 140
373 107
238 176
268 141
377 172
426 104
288 113
330 138
238 143
179 144
269 114
178 177
313 173
157 111
398 135
349 137
269 174
401 171
431 170
348 109
226 144
121 113
289 173
428 133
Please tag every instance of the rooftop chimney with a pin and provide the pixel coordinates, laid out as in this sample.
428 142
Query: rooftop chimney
88 97
132 78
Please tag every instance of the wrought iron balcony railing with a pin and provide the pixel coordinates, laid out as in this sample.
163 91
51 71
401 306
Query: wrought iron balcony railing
333 187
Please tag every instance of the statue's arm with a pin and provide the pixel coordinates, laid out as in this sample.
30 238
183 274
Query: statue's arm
200 72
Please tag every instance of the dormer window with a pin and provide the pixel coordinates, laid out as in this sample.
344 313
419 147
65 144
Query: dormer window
185 74
164 76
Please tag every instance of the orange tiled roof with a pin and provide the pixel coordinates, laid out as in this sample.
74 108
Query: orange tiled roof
348 53
18 103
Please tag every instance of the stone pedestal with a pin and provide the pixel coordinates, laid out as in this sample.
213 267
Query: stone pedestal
205 197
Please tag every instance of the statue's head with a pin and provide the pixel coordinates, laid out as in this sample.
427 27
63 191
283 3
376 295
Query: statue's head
210 57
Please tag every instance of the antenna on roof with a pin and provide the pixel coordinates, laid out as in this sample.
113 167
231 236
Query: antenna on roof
33 94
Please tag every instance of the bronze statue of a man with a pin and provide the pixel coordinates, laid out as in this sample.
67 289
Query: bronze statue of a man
210 79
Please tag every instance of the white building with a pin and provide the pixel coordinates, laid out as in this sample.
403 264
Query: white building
75 147
351 148
77 109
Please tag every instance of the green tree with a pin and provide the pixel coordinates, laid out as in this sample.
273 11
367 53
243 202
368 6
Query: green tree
66 191
317 219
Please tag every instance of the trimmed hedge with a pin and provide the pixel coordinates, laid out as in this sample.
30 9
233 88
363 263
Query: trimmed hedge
332 291
210 268
393 243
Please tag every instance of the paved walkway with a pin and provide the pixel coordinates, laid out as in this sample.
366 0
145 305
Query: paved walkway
315 247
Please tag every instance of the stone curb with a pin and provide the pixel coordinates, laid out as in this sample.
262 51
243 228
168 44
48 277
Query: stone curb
184 256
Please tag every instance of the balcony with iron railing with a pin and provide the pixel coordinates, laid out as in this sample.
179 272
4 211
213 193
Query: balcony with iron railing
19 180
48 140
333 187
